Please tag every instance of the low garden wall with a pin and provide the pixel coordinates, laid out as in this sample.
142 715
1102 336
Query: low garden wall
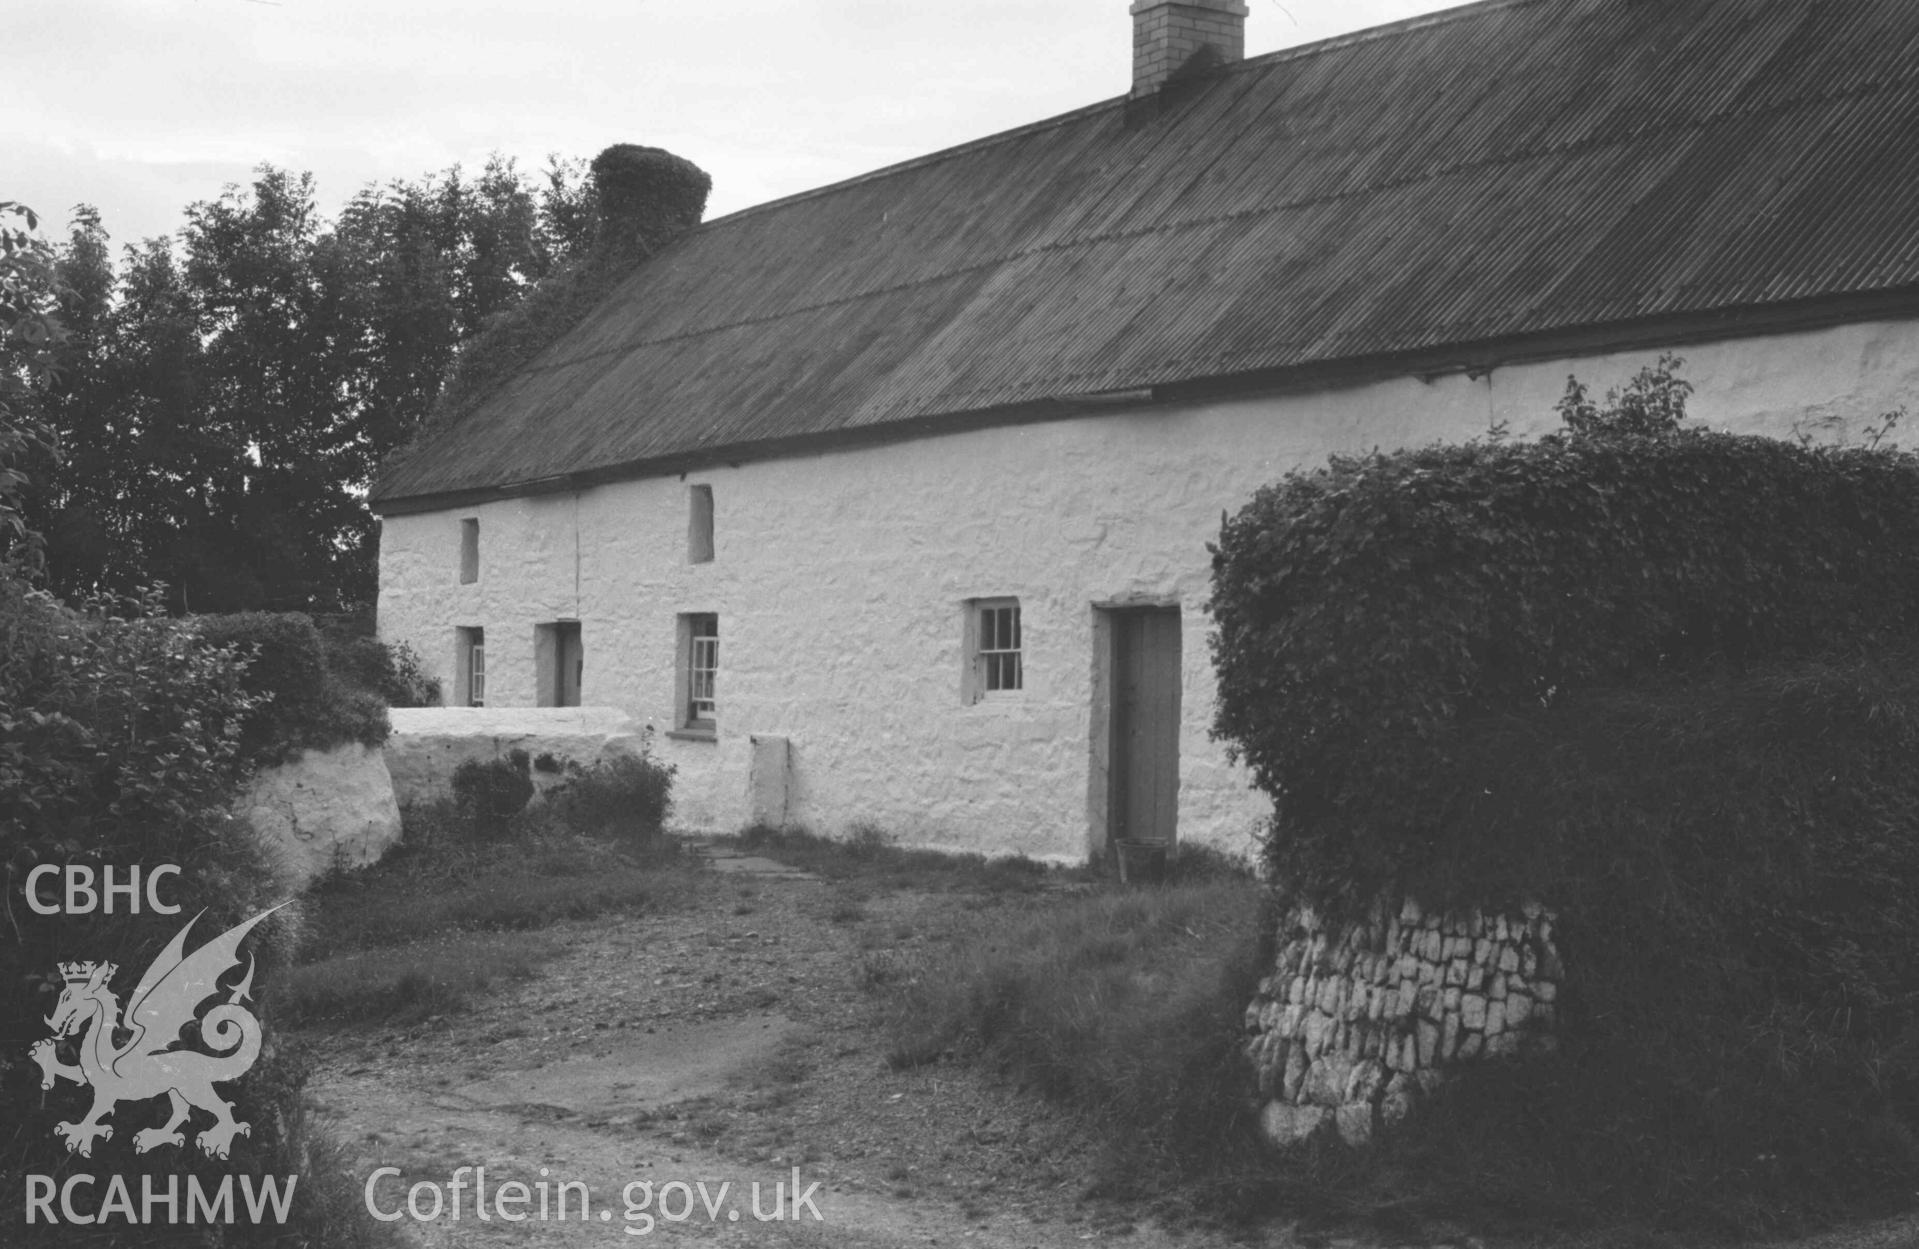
429 743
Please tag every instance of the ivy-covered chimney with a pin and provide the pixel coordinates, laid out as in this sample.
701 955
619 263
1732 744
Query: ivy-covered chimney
1174 35
646 195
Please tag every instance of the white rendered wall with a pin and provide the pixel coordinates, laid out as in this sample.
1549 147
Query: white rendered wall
839 581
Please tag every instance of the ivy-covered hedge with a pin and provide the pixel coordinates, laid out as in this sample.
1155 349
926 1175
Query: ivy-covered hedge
300 701
1369 608
390 671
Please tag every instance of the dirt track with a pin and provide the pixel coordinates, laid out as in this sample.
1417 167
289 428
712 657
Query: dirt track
730 1041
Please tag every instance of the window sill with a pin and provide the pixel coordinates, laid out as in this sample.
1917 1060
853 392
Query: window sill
694 735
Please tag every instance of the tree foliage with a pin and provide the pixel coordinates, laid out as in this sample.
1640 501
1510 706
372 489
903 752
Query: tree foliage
227 398
30 336
644 196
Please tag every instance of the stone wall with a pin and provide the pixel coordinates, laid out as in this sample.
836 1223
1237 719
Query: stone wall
1358 1020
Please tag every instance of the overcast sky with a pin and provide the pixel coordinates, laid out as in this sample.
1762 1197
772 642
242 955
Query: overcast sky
142 106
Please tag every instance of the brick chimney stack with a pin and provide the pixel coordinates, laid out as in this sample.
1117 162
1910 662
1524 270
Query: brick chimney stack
1168 34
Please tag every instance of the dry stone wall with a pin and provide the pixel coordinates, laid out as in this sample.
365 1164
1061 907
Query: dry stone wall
1359 1020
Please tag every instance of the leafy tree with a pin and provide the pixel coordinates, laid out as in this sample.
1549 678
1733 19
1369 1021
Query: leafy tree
229 396
29 337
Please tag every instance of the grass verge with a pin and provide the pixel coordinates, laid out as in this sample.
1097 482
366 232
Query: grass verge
1126 1005
442 920
405 984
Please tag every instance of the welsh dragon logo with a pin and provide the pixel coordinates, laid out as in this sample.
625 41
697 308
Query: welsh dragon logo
148 1064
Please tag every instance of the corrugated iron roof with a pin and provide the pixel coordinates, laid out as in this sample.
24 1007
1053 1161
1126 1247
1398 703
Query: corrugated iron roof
1502 170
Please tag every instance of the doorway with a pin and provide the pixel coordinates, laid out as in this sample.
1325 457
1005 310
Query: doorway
558 663
1142 775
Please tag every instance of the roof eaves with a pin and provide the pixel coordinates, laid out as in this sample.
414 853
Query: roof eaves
1472 358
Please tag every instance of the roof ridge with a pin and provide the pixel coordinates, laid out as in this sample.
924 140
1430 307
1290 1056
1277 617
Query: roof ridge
1331 43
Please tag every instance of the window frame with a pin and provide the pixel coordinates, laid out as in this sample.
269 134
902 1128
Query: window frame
698 670
988 658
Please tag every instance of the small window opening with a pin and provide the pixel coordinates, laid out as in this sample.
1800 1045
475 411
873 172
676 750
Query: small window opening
699 526
469 550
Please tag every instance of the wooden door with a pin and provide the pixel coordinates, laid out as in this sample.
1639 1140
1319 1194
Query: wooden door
1144 757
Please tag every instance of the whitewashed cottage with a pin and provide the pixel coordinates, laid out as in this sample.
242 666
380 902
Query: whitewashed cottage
899 490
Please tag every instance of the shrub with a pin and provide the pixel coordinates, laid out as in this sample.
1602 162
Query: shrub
487 794
300 703
628 795
119 743
113 733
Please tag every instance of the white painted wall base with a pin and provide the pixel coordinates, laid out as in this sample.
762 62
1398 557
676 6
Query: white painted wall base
327 808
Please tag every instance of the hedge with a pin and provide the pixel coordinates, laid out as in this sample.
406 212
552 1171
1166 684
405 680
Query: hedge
1367 609
392 672
301 702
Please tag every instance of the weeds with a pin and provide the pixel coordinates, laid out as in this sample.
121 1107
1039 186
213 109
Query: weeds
869 853
626 796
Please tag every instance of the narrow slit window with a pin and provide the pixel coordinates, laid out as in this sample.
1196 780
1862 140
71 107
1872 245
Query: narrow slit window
699 525
469 550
